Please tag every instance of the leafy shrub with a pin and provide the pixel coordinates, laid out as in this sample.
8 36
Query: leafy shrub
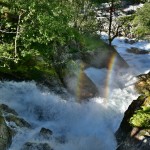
141 118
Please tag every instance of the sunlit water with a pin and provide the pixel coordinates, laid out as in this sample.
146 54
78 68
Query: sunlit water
86 126
82 126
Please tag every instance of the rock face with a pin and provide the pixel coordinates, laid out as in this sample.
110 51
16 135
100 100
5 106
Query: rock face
123 135
136 137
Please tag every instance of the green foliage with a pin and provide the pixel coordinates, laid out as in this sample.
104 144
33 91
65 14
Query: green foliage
141 118
49 30
44 28
93 43
141 22
126 22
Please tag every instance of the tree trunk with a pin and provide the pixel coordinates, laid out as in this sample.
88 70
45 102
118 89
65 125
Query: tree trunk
110 22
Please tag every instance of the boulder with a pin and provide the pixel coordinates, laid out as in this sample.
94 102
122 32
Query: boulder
81 86
20 122
36 146
12 116
7 109
78 83
5 134
130 41
45 133
143 84
136 50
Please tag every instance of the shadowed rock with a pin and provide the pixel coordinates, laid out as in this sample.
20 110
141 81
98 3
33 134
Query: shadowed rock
7 109
46 133
135 50
79 84
137 136
36 146
102 57
5 134
18 121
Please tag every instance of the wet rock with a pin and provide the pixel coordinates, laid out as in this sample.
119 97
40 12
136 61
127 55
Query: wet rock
46 133
143 84
5 134
5 109
36 146
135 50
130 41
137 139
18 121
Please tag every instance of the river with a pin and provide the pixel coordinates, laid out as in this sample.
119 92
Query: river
81 126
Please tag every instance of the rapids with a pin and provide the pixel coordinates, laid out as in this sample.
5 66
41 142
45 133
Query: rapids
82 126
85 126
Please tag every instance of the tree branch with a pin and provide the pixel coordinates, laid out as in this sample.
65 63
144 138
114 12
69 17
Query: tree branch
4 31
17 33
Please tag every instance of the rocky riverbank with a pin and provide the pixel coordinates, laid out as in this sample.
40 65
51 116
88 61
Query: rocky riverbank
134 131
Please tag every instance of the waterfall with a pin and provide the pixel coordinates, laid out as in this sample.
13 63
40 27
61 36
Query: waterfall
89 125
83 126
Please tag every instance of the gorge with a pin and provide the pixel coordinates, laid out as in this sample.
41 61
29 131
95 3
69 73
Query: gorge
86 125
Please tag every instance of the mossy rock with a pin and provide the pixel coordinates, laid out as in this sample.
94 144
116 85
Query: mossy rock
147 101
143 84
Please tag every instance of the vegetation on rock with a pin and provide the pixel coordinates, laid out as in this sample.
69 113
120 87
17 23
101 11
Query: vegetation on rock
141 118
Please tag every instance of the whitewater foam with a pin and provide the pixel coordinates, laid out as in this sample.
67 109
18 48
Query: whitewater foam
85 126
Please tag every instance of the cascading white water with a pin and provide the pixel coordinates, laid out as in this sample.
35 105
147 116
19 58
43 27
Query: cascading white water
85 126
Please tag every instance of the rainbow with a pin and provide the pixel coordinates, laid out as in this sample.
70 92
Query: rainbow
109 80
81 80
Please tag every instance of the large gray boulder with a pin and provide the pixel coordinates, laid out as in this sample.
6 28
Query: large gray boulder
78 83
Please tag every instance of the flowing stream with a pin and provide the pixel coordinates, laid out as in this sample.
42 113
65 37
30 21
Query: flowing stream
76 126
